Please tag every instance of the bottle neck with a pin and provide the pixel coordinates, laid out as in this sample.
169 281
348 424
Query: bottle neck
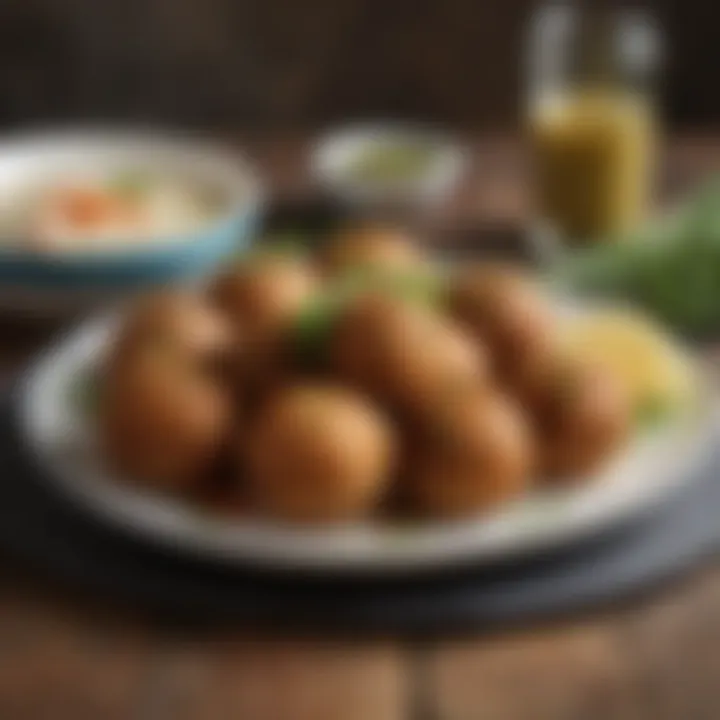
612 45
583 44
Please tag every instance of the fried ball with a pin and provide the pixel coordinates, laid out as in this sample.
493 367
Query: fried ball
501 306
179 321
261 298
262 294
527 376
319 454
404 354
475 453
583 414
161 421
371 246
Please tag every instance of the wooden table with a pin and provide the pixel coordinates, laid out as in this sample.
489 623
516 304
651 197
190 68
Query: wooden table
64 657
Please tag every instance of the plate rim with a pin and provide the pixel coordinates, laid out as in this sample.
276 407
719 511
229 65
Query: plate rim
270 546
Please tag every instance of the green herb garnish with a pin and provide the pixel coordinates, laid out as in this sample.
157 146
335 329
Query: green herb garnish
313 325
671 269
652 412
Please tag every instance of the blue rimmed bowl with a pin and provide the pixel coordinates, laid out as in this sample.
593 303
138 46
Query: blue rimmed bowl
53 282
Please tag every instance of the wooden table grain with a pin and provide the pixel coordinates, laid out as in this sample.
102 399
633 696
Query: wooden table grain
69 657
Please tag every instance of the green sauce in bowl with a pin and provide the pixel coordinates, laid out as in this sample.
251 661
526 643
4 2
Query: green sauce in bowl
391 162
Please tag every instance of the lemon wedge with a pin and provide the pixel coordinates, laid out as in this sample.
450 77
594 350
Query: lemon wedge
657 373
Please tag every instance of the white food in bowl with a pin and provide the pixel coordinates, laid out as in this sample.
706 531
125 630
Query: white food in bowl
186 186
87 214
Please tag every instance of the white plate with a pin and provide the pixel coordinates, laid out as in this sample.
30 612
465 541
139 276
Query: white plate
60 435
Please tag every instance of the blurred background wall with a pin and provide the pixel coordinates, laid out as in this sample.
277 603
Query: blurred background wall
302 63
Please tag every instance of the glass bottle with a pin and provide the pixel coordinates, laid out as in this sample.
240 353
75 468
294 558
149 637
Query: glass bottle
591 117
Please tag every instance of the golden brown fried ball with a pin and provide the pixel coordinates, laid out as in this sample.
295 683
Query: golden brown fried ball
526 378
319 454
475 453
371 246
162 422
261 295
181 323
582 415
261 298
501 306
403 354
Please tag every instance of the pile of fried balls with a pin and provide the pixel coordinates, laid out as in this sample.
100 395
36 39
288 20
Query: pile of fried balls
437 409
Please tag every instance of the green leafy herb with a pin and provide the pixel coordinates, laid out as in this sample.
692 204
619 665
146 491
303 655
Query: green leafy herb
671 269
312 327
652 412
426 287
395 162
